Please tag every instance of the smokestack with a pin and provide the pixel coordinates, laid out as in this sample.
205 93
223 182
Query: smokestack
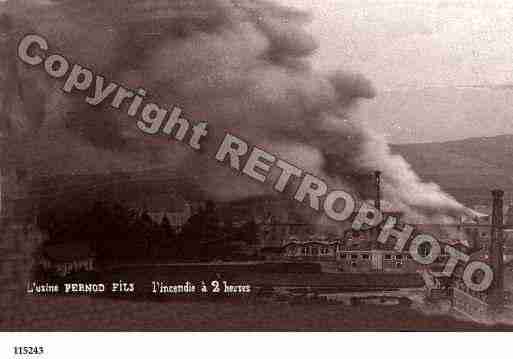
377 201
496 245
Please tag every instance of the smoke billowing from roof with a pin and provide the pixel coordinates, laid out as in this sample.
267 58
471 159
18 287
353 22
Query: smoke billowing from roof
239 65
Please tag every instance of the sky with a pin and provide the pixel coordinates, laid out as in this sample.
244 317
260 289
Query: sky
443 70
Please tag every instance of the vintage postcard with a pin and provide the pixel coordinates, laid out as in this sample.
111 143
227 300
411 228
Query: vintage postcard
254 165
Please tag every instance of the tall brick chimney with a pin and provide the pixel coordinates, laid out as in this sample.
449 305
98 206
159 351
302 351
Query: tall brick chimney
377 200
497 244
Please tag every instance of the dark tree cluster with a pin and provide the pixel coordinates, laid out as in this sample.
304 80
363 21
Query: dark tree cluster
116 233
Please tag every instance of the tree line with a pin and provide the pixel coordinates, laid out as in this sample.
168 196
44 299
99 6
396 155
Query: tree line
116 232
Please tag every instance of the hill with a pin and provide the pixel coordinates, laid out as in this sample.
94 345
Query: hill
468 169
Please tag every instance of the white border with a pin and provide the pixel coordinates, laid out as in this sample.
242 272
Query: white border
143 345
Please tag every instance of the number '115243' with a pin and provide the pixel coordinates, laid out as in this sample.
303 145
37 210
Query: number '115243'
28 350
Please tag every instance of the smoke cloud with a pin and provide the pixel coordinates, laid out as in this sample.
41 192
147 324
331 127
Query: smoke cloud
242 66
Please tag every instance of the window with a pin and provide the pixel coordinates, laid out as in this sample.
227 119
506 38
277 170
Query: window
399 257
354 256
365 256
388 256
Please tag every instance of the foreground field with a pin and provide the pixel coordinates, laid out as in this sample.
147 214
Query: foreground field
100 314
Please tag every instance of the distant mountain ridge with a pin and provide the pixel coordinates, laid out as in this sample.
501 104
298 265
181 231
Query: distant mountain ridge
468 169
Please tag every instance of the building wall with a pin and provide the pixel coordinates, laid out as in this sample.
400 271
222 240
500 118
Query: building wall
376 260
310 251
355 261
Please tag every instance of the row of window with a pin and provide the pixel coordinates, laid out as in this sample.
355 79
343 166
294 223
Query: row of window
310 251
315 251
393 264
354 256
398 257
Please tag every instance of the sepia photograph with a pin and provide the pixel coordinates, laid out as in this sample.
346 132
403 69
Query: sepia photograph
255 166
